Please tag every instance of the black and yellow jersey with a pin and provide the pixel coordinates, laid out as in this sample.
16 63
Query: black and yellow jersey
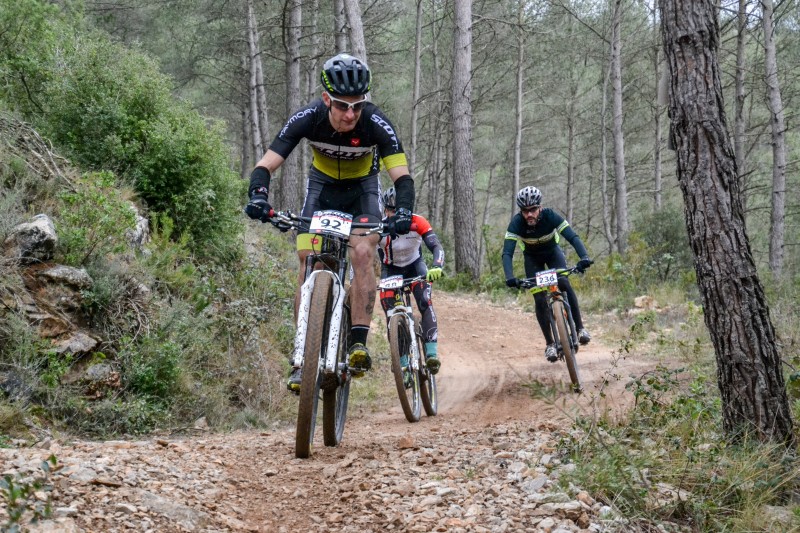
353 154
539 238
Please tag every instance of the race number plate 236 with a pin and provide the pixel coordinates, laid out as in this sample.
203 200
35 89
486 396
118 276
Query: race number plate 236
546 278
331 222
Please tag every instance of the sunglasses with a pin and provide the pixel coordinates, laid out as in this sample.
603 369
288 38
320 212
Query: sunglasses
344 105
530 209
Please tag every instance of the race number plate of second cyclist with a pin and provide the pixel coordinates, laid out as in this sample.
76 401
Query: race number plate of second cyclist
392 282
331 222
546 278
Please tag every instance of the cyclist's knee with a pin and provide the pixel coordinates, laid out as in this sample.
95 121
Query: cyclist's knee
362 256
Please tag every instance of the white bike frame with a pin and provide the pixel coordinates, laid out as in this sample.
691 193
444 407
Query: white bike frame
334 331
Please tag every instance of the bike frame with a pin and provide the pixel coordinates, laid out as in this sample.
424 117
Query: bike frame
333 256
553 293
409 311
334 331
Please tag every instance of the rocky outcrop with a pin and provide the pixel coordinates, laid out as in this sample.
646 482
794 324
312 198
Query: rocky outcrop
50 298
32 242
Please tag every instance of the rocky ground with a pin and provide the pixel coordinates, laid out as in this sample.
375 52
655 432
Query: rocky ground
489 462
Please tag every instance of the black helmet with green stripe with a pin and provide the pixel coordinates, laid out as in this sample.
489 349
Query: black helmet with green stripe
345 75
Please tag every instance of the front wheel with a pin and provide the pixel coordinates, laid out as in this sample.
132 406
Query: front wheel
406 381
564 337
427 383
316 336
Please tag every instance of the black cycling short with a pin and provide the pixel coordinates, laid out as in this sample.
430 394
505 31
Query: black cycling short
359 197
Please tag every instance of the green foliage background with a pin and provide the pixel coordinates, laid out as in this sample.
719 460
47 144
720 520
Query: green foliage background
189 326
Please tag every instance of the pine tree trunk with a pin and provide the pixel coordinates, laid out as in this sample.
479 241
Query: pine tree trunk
290 178
515 186
608 230
620 180
740 124
357 43
775 104
412 156
340 27
255 130
658 111
313 72
754 401
463 167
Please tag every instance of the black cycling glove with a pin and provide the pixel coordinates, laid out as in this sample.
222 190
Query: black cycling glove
583 264
258 208
512 282
402 221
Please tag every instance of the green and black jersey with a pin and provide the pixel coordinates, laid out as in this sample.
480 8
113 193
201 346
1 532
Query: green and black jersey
539 239
353 154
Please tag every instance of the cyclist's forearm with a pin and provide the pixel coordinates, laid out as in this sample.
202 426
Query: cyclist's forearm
580 249
508 258
433 244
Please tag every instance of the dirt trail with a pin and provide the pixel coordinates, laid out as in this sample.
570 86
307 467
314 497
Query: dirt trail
491 355
484 464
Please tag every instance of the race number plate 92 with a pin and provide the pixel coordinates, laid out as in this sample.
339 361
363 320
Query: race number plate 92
331 222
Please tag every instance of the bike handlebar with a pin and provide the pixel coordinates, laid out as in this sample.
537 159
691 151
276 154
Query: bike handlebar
530 283
286 220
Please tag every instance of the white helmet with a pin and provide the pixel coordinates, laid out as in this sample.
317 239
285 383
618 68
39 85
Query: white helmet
529 197
389 198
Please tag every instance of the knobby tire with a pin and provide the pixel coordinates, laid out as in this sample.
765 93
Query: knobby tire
400 344
318 317
335 397
564 337
427 382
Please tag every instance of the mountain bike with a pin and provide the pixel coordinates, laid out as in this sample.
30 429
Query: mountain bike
415 384
559 313
323 324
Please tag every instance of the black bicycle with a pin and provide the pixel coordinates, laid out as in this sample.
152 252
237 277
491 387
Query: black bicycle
560 315
415 384
323 324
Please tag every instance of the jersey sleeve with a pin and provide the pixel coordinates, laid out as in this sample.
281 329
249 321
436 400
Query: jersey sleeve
296 128
420 224
563 228
390 149
510 246
424 228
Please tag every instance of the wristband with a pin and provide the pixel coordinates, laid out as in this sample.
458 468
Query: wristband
259 178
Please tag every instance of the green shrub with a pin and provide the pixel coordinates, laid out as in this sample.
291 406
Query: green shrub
152 367
27 37
94 220
112 109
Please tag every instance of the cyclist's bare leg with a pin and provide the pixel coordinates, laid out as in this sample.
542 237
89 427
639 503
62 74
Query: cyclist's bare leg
362 292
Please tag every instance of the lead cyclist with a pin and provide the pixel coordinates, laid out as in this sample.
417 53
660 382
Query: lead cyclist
351 139
401 255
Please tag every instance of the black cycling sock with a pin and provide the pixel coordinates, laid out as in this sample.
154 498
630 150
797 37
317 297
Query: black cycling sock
358 334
